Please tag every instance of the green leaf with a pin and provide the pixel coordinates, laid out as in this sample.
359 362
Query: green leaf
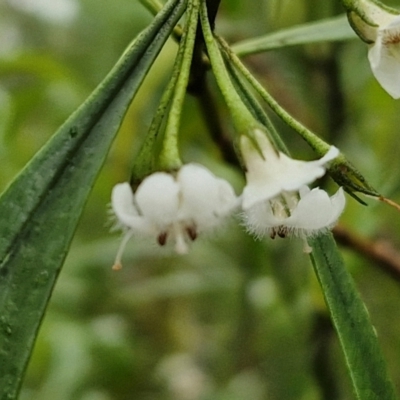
356 334
327 30
41 208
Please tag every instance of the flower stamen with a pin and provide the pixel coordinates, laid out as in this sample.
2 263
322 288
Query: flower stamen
162 238
192 233
117 263
391 38
282 231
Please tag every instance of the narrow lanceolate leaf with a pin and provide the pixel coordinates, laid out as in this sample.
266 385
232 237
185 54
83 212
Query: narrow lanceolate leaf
40 209
350 317
327 30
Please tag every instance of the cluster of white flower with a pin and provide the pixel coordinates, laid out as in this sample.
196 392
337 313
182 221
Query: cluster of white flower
177 207
275 201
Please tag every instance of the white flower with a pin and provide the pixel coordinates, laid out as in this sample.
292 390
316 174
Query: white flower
380 27
384 57
173 207
309 214
270 172
276 200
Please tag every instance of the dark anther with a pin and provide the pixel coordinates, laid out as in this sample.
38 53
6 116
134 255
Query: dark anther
162 238
192 233
282 232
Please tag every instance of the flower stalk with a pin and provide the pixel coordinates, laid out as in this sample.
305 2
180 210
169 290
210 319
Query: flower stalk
316 143
150 158
242 118
169 157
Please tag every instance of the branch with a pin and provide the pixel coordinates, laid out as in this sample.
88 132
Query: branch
380 251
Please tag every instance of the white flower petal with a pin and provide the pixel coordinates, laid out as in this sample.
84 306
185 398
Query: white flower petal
393 23
384 58
296 173
312 211
338 201
316 211
259 219
157 198
260 170
205 198
330 155
173 209
122 203
380 26
270 174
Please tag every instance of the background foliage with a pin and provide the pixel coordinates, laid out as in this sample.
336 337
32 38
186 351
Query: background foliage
236 318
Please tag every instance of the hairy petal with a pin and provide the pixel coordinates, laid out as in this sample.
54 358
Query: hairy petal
270 173
384 58
122 203
259 219
205 198
158 199
316 211
296 174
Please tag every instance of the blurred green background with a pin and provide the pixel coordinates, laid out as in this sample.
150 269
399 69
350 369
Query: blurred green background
235 319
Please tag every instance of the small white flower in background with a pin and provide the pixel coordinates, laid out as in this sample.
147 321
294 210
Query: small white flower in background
380 27
178 207
276 200
56 11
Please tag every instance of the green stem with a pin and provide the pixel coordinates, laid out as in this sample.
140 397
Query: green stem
242 117
155 6
144 163
256 109
169 156
319 145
